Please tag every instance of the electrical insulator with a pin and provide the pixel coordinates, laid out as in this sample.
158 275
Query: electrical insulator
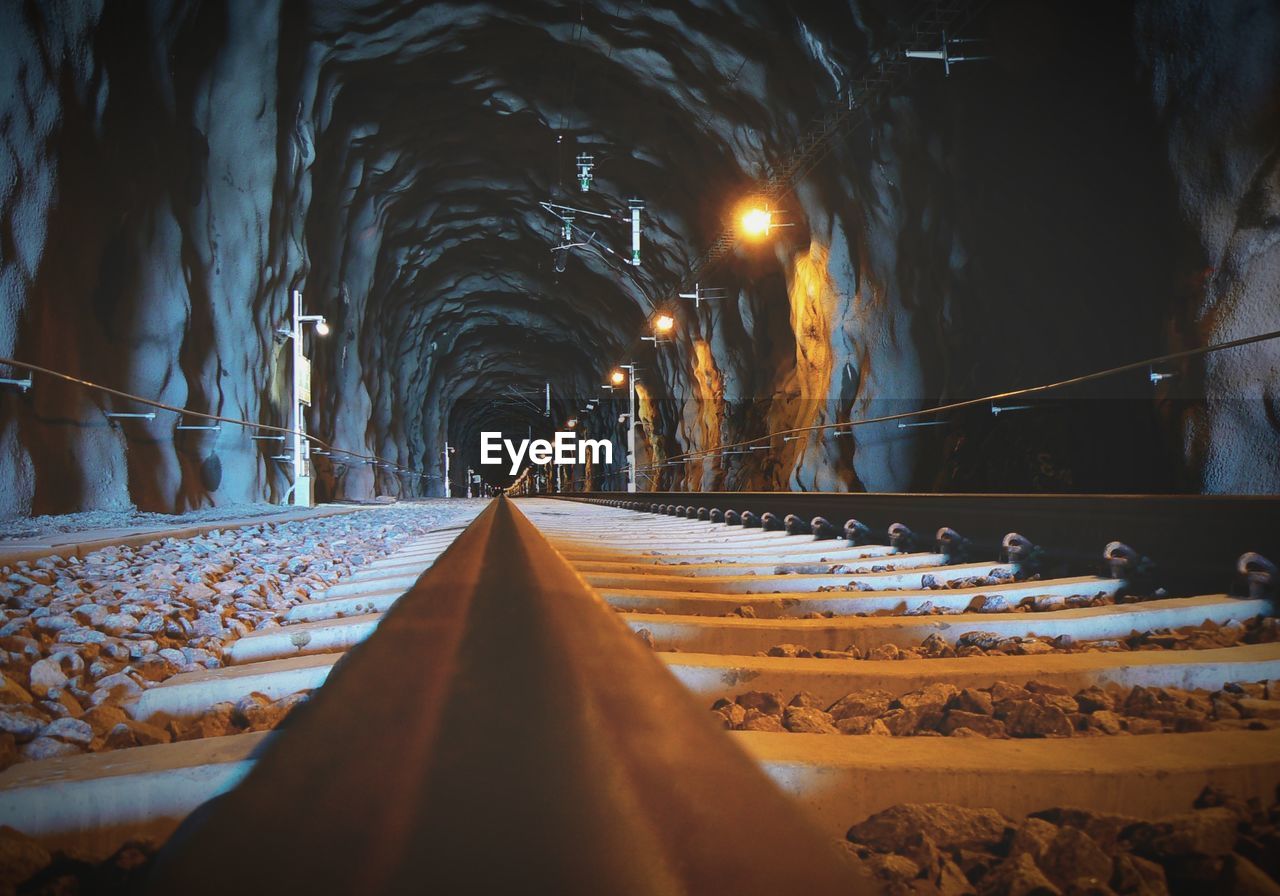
636 207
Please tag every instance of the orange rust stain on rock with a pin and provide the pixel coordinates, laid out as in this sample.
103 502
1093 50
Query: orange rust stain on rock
708 385
644 445
813 297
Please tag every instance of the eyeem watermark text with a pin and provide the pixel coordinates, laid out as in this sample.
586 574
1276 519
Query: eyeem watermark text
566 449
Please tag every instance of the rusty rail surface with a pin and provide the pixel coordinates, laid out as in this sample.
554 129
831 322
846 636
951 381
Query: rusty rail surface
502 731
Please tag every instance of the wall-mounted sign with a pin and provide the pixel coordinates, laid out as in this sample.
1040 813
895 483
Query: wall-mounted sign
304 379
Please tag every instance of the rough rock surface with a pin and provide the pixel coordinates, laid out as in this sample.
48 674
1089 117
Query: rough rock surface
1006 710
1223 845
81 639
1206 636
173 170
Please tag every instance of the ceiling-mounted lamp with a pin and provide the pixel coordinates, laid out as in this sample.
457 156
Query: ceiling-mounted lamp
757 221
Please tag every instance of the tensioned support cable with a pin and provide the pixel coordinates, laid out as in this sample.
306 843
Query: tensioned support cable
970 402
281 430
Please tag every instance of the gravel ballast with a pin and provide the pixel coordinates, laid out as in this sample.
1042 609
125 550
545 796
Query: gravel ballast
80 639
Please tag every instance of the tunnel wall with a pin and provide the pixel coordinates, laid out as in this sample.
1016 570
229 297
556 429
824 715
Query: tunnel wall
1104 189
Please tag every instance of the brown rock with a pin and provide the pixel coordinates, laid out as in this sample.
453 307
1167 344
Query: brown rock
1204 832
1138 876
906 722
1073 859
763 701
12 692
885 652
733 714
756 720
936 646
805 720
1143 726
1003 690
949 827
131 733
805 699
216 722
20 858
1018 876
1064 702
1033 837
1105 828
825 654
861 703
987 726
789 651
1254 708
1106 722
1029 719
932 697
155 668
103 718
8 750
972 700
288 704
857 724
1031 647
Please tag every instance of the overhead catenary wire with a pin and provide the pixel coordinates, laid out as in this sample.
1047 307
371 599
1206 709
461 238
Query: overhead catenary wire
282 431
846 426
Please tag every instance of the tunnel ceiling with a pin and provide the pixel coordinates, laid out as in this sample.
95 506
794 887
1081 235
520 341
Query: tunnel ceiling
439 129
174 169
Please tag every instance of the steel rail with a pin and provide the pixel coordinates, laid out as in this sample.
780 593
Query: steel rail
1190 540
185 412
503 731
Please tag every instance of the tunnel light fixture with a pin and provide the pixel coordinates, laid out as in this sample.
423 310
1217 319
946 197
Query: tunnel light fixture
617 378
756 222
571 423
663 324
302 396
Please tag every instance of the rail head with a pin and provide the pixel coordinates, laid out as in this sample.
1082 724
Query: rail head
503 731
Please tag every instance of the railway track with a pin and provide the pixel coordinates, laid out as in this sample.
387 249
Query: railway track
837 661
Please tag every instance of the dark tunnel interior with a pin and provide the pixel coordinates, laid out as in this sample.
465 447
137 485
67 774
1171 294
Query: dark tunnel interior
1102 186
